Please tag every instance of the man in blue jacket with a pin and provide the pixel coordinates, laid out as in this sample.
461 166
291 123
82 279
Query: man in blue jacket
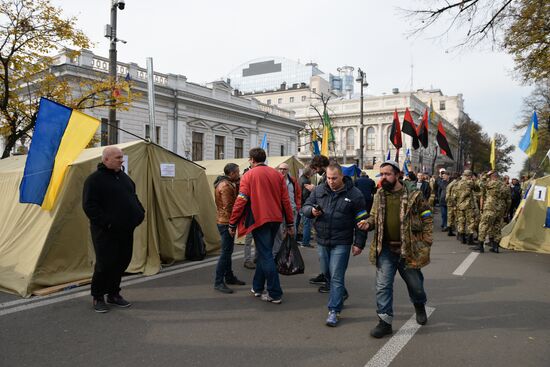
367 187
337 207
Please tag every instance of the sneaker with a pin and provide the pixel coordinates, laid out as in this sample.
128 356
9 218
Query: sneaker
100 306
382 329
319 279
332 319
256 294
266 297
249 264
117 300
324 288
421 317
223 288
234 281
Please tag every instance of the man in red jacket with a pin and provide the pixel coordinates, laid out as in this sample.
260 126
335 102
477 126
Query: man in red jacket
262 194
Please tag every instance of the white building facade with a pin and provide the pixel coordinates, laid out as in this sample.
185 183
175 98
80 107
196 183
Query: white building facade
197 122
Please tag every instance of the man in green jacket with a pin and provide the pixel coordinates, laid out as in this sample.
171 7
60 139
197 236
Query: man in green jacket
402 221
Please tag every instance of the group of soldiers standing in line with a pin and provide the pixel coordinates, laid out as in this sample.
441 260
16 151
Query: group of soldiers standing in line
478 208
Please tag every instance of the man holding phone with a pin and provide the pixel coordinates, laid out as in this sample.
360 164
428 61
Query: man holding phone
337 206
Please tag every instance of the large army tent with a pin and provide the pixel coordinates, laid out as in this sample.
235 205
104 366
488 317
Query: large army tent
44 248
526 232
214 168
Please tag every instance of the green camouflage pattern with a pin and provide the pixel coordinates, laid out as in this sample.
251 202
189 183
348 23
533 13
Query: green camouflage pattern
416 229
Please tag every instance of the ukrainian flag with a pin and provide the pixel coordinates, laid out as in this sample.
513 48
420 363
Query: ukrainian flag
529 141
60 134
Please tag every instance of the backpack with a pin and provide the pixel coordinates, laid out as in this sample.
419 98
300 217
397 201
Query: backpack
195 249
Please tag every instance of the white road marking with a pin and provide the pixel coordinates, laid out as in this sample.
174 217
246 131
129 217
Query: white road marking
391 349
466 264
30 303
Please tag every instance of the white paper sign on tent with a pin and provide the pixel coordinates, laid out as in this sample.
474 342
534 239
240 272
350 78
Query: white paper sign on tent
167 170
539 193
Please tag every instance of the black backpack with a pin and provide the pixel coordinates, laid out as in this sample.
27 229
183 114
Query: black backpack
195 249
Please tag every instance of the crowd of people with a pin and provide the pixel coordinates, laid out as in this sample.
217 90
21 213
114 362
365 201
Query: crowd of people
268 206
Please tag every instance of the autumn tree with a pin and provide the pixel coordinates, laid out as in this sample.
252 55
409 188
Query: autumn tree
31 33
520 28
475 145
503 150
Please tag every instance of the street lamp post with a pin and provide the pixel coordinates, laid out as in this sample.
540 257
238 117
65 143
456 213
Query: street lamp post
363 83
110 32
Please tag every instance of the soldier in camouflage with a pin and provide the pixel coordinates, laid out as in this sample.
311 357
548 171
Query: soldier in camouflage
451 206
466 208
495 199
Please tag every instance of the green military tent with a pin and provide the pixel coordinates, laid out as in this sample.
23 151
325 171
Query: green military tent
526 231
41 248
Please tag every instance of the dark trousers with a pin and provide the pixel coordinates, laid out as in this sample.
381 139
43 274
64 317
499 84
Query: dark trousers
223 269
266 272
113 253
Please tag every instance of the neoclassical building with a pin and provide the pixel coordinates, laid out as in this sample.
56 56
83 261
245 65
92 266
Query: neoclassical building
195 121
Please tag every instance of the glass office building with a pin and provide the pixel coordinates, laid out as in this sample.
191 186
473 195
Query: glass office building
271 73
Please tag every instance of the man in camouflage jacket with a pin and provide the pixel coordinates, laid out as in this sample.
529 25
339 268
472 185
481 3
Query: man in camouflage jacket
466 208
402 221
495 200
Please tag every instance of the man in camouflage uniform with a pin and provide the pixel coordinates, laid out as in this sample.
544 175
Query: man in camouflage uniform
403 225
466 208
451 206
495 200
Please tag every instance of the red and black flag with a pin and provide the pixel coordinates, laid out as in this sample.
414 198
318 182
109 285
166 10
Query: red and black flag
409 128
422 130
395 134
442 141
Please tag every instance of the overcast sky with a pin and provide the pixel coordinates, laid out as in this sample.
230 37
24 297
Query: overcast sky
204 40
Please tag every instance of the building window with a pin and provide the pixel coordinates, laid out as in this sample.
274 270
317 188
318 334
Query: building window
109 134
239 147
371 138
303 98
268 101
282 150
279 100
148 133
442 105
350 139
157 134
197 146
219 146
291 99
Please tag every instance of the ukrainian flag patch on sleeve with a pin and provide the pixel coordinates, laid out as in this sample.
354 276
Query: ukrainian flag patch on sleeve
360 215
426 213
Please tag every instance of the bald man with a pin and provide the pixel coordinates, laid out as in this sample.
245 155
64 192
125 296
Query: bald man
109 200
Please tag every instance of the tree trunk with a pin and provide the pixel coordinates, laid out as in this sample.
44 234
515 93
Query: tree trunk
10 143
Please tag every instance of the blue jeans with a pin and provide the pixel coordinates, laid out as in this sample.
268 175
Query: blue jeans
306 237
335 259
443 216
223 269
387 265
264 236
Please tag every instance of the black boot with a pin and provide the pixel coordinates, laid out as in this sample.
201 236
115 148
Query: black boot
478 248
450 232
382 329
470 239
421 316
494 247
464 238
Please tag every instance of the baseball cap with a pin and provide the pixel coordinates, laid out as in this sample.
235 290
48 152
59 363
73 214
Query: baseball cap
389 162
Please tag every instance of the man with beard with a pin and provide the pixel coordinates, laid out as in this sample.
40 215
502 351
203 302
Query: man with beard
402 221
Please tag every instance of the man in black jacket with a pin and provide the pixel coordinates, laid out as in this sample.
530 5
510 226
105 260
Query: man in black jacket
367 187
337 207
110 202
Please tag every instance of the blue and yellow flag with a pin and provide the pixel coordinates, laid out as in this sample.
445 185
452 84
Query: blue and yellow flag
60 135
315 143
529 142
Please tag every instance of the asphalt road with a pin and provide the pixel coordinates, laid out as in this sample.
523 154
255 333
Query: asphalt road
496 314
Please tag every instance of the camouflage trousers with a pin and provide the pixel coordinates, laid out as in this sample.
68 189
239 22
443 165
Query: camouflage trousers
490 225
466 221
451 217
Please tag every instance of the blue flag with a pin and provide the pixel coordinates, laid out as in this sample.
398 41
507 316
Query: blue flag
388 158
263 145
